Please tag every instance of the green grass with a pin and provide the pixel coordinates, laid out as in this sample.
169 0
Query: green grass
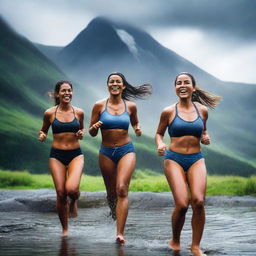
146 180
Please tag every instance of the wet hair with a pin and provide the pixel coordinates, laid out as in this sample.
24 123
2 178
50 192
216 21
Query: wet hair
56 91
205 98
131 91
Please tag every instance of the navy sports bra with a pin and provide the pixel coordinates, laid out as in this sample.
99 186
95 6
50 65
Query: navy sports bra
180 127
59 127
110 121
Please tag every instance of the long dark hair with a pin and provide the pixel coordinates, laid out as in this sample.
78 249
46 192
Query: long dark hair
208 99
54 94
133 92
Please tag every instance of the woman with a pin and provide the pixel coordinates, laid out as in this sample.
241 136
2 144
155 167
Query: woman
117 155
184 164
66 159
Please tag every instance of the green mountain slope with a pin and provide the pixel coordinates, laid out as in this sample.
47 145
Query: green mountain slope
25 78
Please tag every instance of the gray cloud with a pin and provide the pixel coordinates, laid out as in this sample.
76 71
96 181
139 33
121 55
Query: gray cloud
233 17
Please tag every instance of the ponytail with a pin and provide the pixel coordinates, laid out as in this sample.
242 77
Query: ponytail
205 98
208 99
133 92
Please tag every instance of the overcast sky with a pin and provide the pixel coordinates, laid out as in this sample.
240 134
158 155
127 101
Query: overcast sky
216 35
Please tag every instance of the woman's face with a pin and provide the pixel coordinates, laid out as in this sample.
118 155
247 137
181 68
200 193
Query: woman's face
115 85
65 93
184 87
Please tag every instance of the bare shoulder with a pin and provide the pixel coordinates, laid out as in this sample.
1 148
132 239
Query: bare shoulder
168 110
50 111
78 111
100 103
201 107
130 104
203 110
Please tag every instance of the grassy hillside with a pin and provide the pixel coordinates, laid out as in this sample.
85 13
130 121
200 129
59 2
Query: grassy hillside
142 180
25 78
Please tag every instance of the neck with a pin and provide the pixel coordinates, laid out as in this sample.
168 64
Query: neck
64 106
185 103
115 99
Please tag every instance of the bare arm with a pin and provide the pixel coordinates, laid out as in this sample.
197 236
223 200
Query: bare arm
205 138
95 124
45 127
80 133
134 120
163 123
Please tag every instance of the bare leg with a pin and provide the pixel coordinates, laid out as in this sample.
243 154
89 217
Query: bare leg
109 173
197 182
177 181
125 169
58 171
75 170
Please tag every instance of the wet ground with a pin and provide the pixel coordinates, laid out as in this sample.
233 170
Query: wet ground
230 230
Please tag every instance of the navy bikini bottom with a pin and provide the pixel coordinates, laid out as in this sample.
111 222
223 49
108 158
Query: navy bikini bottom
184 160
116 153
65 156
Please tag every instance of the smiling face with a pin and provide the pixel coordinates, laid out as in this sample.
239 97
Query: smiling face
184 86
65 93
115 85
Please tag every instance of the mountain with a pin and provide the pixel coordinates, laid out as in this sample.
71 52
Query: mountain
26 75
104 46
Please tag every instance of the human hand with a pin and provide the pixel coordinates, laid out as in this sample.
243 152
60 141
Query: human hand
138 131
161 149
97 125
80 134
205 139
42 136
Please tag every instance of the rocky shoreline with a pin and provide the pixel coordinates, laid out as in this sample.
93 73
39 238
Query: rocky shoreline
43 200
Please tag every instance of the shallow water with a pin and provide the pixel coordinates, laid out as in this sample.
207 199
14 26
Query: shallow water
229 231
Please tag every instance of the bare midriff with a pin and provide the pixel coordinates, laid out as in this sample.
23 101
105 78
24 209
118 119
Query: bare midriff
65 141
185 144
115 137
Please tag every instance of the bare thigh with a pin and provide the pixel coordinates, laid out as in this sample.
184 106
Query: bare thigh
125 169
197 177
109 173
75 171
176 178
58 172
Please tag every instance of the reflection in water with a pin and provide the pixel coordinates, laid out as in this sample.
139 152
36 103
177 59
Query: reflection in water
147 233
65 249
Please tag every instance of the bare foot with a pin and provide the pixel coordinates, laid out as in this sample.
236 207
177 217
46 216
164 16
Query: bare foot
64 233
120 239
73 209
197 251
174 246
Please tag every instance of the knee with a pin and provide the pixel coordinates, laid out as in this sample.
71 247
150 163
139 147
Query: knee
182 208
61 195
198 203
72 192
122 190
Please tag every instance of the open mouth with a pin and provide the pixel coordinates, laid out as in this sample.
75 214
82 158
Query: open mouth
67 97
115 88
183 91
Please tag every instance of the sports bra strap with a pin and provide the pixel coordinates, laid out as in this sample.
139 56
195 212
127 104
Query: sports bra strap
106 107
74 112
56 110
176 109
71 107
197 111
124 105
125 109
